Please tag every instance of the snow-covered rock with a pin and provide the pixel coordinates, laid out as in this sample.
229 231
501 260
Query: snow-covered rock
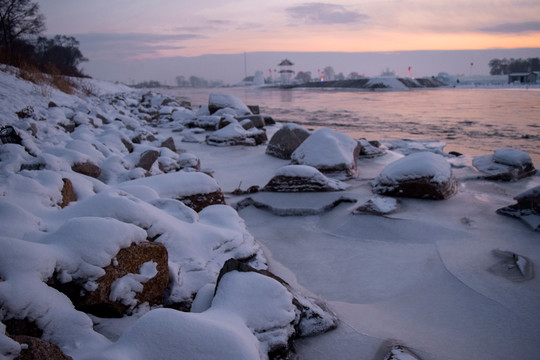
330 152
286 140
527 208
235 134
423 175
218 101
302 178
505 164
377 206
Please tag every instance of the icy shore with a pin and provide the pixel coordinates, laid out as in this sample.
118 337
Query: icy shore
425 274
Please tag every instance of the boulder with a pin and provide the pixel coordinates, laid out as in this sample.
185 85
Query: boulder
302 178
527 208
422 175
189 161
399 352
286 140
169 144
220 101
87 168
68 194
33 348
505 165
137 274
331 152
311 318
234 134
147 159
128 144
512 266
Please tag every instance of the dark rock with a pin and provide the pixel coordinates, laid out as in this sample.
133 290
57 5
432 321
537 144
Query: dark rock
52 104
286 140
128 144
377 206
150 138
102 118
68 194
505 165
399 352
25 113
128 261
302 178
527 208
87 168
70 127
8 135
37 349
256 120
224 121
235 134
137 139
148 158
254 109
169 144
22 327
199 201
268 120
422 175
187 160
247 124
368 150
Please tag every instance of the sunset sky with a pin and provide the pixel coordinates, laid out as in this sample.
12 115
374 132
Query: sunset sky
138 30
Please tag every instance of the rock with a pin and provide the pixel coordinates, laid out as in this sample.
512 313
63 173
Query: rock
286 140
235 134
8 135
68 194
369 150
527 208
422 175
87 168
169 144
22 327
254 109
52 104
505 165
187 160
199 201
34 348
256 120
512 266
331 152
399 352
302 178
128 144
25 113
312 316
247 124
148 158
221 101
126 284
207 122
377 206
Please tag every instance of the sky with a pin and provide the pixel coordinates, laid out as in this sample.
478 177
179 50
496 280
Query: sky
140 34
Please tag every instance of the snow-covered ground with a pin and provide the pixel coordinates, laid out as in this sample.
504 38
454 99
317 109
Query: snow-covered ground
420 276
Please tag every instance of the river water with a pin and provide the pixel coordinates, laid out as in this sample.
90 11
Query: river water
470 121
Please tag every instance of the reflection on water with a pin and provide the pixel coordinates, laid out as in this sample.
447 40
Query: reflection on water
472 121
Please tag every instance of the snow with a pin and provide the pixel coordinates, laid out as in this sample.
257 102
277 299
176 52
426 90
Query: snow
228 101
512 157
125 288
418 275
416 166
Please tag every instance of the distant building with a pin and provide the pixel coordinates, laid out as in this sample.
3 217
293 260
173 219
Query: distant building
286 72
523 77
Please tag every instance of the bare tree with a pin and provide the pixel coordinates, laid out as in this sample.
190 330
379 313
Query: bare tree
17 19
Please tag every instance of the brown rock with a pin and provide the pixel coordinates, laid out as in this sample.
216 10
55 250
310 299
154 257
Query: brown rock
422 188
286 140
68 194
128 144
200 201
169 144
148 158
37 349
87 168
128 261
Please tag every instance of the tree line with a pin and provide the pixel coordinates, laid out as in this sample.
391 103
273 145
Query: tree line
21 45
508 66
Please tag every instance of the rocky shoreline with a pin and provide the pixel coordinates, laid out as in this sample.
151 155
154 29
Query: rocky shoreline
119 241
